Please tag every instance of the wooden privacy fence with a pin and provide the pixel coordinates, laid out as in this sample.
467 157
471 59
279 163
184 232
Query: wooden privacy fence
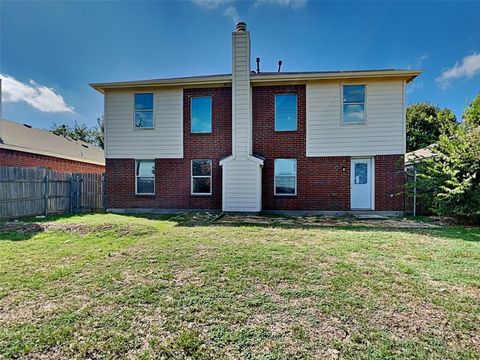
39 191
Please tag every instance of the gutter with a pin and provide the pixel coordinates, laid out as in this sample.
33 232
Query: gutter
408 75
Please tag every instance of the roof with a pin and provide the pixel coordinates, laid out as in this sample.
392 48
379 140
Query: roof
262 77
414 156
22 137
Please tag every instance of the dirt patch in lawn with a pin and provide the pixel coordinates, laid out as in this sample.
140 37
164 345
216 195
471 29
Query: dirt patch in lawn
321 221
73 228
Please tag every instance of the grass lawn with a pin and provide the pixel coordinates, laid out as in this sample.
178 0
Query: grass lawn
110 286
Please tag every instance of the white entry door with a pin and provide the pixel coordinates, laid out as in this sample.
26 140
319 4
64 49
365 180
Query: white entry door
361 184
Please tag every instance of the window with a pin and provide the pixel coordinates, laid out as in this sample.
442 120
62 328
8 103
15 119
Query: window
143 114
285 177
145 177
201 177
201 114
354 104
285 112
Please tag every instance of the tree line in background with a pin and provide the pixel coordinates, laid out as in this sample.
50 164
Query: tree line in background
448 182
93 135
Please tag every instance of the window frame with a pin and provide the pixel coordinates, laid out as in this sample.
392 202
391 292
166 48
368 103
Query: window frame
201 176
152 110
136 177
275 177
275 111
353 103
191 115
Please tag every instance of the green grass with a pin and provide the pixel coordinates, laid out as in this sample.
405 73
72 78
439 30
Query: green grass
116 286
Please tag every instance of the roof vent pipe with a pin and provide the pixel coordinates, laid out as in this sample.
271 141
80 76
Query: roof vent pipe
279 65
258 65
241 26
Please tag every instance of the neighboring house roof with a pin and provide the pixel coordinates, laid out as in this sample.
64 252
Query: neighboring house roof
414 156
262 77
22 137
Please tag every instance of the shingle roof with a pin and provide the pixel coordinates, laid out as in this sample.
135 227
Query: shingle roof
261 77
25 138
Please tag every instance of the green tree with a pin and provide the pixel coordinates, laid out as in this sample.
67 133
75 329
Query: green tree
98 132
93 135
425 123
471 115
450 179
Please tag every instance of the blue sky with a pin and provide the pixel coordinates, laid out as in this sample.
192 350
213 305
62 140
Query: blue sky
50 51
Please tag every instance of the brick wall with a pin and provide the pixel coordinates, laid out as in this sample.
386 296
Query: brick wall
323 183
173 176
20 158
389 180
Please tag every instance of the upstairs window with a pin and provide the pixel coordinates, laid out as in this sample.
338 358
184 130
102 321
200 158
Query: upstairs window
201 177
285 177
353 104
201 114
285 112
145 177
143 114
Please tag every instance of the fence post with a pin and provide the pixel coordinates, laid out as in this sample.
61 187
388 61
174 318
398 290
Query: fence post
46 195
104 192
414 191
71 194
77 189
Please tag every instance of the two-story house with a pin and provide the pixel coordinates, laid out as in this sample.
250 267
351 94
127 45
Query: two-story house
251 141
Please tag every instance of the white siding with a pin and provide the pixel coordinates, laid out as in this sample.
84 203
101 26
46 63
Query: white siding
122 140
242 186
241 93
241 174
383 133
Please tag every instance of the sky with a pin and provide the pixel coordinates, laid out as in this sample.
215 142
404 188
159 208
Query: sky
51 50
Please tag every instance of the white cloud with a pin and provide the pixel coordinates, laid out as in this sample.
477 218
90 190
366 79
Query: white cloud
469 67
232 13
418 62
415 85
39 96
212 4
294 4
230 9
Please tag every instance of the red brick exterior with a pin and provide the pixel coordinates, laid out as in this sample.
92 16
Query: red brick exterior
389 181
172 179
323 183
20 158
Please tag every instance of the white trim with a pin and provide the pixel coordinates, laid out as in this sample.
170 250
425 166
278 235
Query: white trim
136 184
249 157
275 177
404 120
134 111
211 114
223 79
372 181
201 176
105 137
365 106
275 111
182 126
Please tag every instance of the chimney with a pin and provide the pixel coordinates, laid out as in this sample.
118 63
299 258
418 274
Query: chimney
241 93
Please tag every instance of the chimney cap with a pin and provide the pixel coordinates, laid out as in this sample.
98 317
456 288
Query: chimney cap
241 26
